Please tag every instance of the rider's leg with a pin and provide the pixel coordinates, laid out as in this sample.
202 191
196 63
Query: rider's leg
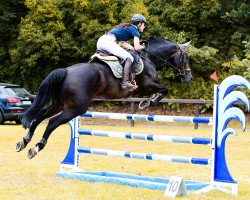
108 43
126 83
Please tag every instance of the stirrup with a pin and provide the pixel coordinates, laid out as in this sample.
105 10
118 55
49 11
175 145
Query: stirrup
128 85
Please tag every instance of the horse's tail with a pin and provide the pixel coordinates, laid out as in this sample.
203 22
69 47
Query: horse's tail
48 95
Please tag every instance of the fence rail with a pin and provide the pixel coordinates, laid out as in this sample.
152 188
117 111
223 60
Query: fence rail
132 102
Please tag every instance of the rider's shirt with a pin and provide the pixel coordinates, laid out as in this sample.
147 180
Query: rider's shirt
125 33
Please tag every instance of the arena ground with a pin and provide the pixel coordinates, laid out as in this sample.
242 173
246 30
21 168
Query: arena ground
21 178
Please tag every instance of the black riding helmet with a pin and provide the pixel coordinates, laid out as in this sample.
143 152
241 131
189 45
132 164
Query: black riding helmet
138 18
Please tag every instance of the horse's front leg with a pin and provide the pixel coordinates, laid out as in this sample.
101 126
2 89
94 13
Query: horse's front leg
158 96
157 90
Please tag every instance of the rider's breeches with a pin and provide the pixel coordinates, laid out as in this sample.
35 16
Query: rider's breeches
108 43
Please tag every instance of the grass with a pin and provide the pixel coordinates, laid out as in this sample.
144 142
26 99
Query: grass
21 178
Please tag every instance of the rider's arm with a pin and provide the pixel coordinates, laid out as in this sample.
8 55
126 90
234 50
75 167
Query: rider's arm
126 45
137 45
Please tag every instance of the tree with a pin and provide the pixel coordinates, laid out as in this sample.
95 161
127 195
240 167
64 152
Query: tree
216 28
59 33
11 12
42 44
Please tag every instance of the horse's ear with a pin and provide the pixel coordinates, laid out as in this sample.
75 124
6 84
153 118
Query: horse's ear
187 43
184 46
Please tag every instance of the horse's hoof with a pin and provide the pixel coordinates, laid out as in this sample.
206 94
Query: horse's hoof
144 104
20 146
32 153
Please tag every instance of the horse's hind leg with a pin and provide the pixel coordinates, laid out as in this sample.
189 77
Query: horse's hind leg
27 138
62 118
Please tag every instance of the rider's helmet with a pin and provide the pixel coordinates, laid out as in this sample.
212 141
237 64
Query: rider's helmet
138 18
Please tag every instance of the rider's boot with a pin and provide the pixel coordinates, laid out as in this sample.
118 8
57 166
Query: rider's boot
126 84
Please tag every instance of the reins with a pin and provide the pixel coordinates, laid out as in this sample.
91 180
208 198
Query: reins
165 61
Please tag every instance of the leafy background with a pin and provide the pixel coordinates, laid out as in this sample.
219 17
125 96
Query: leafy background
38 36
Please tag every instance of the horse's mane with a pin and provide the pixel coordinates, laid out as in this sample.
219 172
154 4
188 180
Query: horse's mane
154 44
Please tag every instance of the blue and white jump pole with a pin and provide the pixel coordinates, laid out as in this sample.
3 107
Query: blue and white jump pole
224 99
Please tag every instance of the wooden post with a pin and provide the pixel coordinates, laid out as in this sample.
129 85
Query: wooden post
132 110
196 114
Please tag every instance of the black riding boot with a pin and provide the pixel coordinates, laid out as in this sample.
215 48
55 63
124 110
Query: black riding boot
126 84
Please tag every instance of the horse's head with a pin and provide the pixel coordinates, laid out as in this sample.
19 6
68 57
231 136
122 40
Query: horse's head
171 54
181 63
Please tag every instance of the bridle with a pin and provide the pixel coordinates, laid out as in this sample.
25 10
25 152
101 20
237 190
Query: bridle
180 69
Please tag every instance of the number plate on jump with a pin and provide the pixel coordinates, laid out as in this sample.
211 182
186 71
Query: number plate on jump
26 102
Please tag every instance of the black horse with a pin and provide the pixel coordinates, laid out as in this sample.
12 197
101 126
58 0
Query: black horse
67 92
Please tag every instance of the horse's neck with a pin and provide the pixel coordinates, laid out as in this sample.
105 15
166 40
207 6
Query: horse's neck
162 48
149 64
153 59
162 55
153 62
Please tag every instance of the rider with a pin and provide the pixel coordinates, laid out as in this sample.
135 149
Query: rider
122 33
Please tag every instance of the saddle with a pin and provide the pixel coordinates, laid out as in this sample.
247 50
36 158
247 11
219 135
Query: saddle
116 64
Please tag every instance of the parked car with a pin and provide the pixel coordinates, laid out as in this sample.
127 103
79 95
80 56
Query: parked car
14 101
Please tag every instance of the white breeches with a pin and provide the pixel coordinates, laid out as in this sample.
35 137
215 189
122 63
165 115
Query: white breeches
108 43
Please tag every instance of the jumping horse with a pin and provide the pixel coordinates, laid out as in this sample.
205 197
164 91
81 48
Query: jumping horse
67 92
